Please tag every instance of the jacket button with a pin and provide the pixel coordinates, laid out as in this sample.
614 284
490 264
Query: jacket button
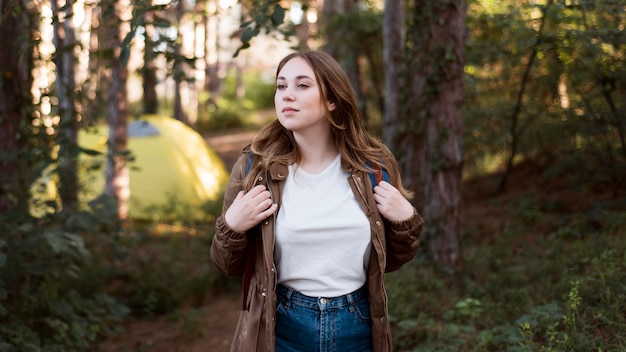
260 178
266 222
378 222
281 175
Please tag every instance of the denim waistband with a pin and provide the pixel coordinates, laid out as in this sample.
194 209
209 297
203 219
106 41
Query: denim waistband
292 296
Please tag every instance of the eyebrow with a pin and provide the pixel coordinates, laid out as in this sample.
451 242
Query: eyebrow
297 77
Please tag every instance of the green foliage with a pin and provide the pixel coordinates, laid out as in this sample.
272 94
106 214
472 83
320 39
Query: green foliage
360 30
163 268
236 110
526 288
266 16
569 108
47 303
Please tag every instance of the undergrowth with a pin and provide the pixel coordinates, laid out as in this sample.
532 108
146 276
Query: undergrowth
545 282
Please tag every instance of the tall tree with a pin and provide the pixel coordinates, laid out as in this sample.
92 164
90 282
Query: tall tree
148 71
303 29
394 44
341 18
211 20
441 60
179 68
117 177
15 83
99 58
64 59
422 124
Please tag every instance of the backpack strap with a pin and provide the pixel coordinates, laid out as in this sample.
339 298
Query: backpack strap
378 174
249 163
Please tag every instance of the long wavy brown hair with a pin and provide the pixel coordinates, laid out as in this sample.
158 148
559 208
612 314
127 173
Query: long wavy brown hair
358 148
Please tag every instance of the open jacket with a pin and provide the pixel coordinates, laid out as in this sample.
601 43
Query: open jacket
393 244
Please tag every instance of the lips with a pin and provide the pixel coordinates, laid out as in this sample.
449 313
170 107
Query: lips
289 109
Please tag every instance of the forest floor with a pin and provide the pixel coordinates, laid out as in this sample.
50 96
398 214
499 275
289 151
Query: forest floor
218 318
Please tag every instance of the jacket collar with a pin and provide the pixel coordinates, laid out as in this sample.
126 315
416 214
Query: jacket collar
279 171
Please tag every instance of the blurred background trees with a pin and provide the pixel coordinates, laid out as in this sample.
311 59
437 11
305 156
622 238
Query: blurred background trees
457 89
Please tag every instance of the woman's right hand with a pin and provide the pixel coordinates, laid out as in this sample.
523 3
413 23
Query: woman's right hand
249 208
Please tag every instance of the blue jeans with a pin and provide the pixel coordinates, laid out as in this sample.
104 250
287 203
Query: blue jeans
313 324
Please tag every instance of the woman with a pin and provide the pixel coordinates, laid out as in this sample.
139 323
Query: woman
305 226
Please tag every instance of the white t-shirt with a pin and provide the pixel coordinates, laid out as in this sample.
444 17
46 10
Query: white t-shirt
323 239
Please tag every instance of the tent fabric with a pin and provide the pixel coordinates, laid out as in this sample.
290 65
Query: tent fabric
173 172
142 128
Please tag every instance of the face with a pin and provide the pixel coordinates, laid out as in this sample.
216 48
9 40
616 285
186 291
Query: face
299 105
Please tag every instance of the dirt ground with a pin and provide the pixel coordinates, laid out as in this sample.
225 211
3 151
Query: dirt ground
206 329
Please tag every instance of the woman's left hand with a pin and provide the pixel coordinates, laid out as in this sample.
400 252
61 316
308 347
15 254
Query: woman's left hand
391 204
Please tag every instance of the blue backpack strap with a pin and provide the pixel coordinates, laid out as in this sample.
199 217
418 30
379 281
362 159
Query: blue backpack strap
249 163
378 174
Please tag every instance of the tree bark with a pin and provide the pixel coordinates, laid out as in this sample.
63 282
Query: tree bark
212 62
65 42
303 30
179 69
14 97
419 69
117 181
445 44
331 42
393 58
148 72
99 71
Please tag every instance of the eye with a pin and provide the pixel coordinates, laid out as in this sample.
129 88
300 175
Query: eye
302 85
280 86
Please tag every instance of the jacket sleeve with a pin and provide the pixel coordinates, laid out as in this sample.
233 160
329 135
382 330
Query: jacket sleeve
228 247
402 237
402 240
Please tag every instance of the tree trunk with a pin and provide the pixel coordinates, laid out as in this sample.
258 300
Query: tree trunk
99 81
148 72
350 62
413 137
445 44
331 42
65 42
179 69
393 59
117 182
15 79
303 29
212 63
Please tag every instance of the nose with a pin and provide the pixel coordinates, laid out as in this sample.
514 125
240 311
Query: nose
287 96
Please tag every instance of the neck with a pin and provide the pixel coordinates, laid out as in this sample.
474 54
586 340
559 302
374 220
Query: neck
316 152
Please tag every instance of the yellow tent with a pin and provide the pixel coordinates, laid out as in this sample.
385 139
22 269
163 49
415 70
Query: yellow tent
173 171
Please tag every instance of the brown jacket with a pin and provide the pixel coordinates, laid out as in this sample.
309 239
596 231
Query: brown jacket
393 244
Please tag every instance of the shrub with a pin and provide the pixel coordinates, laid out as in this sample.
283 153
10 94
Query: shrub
521 290
47 303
